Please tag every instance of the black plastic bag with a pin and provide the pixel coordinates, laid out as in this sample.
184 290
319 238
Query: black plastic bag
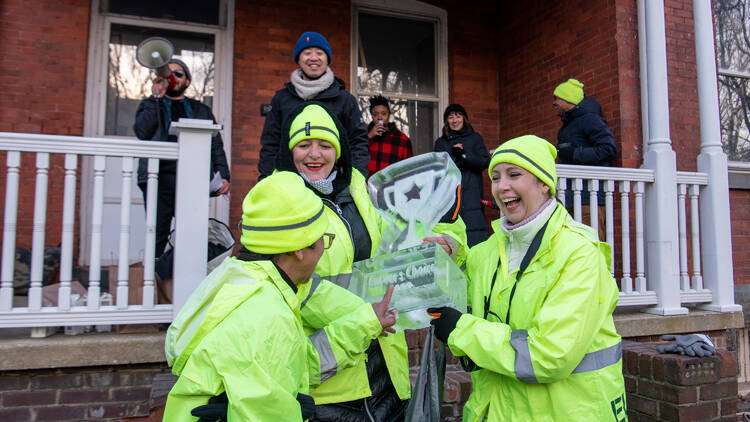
428 390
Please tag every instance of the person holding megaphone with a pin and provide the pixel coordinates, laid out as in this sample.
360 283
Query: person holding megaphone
152 120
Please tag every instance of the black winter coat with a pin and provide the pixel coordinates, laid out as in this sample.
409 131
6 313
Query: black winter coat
593 143
339 102
149 126
472 162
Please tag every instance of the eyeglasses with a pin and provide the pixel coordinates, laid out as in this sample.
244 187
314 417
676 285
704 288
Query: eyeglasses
178 74
328 240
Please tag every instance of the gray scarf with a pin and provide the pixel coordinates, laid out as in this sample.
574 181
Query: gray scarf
308 90
324 186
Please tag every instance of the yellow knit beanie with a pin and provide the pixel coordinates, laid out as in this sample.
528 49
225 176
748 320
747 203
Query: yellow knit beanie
570 91
532 153
314 122
280 214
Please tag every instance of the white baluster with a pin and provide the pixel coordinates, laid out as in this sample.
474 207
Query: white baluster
561 186
609 208
38 231
148 259
626 281
577 187
13 162
681 227
66 247
594 204
122 262
640 263
95 266
695 237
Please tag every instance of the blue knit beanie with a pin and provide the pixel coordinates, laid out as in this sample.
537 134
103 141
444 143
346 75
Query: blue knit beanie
312 39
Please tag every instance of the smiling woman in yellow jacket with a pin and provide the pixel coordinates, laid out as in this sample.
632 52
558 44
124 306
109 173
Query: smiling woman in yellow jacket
377 386
540 340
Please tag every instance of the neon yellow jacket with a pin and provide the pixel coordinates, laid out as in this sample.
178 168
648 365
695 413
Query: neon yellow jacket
322 303
559 358
240 332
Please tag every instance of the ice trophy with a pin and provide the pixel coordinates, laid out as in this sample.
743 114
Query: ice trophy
413 195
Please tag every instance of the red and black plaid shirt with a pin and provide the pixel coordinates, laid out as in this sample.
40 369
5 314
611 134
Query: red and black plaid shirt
388 148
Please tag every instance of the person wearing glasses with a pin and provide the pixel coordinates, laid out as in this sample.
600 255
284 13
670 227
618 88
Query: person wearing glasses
539 340
377 388
238 344
152 120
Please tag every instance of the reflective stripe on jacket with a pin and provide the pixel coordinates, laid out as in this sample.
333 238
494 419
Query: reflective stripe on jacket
559 357
250 344
323 302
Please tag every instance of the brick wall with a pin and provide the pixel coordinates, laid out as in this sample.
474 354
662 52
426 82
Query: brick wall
740 216
684 120
679 388
75 394
43 81
543 44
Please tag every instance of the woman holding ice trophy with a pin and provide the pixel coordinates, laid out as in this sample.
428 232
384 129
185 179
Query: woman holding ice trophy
540 340
315 146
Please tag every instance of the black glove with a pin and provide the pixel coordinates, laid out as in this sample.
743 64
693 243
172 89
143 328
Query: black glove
307 405
689 344
445 321
214 411
565 152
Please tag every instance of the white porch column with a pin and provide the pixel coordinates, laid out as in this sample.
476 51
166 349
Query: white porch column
191 206
661 198
716 237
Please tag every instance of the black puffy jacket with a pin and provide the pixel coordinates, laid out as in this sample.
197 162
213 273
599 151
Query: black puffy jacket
594 144
150 126
339 102
472 162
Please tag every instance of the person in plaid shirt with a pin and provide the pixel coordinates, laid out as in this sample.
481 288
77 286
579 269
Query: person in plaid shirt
387 144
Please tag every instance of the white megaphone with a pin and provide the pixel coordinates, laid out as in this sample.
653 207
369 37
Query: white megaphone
154 53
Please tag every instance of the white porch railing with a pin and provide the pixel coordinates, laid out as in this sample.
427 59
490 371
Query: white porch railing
629 187
191 152
625 216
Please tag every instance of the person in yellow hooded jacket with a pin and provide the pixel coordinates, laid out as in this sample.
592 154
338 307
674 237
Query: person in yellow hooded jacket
539 340
247 358
377 387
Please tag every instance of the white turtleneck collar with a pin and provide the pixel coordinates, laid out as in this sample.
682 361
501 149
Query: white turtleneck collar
520 235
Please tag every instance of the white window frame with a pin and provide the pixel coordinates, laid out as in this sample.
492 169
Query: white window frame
96 95
408 9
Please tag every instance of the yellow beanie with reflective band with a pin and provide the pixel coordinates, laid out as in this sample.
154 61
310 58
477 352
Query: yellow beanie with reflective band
314 122
280 214
570 91
533 154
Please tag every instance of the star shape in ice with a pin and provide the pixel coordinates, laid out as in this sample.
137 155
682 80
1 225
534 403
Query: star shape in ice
413 193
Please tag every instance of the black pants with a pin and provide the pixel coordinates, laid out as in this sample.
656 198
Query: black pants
165 197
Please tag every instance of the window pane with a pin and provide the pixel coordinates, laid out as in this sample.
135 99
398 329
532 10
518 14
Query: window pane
396 55
732 23
414 118
129 82
734 104
198 11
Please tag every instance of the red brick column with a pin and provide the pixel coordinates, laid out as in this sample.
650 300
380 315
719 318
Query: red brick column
667 387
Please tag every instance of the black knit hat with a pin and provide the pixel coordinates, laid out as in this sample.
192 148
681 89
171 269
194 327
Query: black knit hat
379 100
183 66
458 108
